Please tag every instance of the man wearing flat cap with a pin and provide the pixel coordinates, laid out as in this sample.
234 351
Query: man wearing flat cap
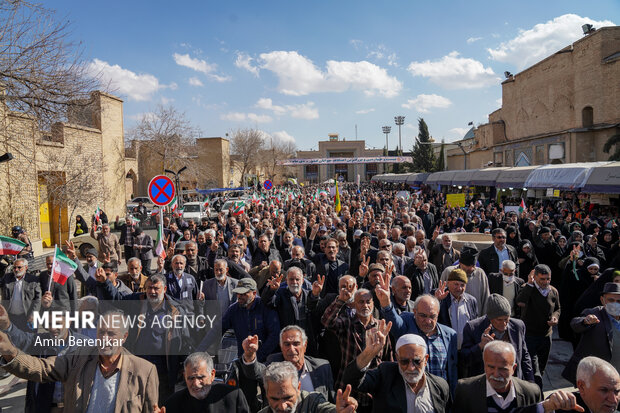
600 332
456 307
401 386
496 325
249 316
477 281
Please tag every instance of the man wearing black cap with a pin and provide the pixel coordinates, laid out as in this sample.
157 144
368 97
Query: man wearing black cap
249 316
496 325
477 281
544 244
540 311
596 326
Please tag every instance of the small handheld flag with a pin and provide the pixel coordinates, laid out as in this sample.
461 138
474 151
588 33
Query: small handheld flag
10 246
62 268
238 208
337 205
522 207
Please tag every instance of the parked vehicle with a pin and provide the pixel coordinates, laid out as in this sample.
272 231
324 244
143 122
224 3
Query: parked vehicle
195 211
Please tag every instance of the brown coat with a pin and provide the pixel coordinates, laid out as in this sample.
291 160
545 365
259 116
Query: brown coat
137 386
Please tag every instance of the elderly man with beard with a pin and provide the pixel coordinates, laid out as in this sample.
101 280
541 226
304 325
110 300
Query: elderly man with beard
443 254
351 333
477 281
403 386
182 286
152 341
21 294
104 378
134 279
401 294
247 317
298 258
284 395
201 394
220 288
293 302
496 390
262 253
197 266
315 374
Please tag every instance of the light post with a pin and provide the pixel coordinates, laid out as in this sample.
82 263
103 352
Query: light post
400 120
176 183
386 130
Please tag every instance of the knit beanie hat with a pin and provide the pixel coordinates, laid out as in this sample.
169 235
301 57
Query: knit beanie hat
497 306
458 274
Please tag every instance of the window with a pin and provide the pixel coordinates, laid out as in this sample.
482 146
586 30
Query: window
587 116
540 154
371 170
312 173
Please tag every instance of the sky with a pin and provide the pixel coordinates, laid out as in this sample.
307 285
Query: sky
301 70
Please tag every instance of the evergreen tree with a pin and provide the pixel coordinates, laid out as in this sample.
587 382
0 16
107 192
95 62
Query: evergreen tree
423 156
441 164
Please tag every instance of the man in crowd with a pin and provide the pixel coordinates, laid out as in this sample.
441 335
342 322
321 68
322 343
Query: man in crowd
507 284
220 287
64 295
109 246
134 278
423 275
21 294
477 281
491 258
443 254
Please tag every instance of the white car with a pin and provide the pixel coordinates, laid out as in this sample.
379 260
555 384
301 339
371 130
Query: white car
194 211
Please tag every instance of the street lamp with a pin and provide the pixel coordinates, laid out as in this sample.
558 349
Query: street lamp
386 130
176 183
400 120
6 157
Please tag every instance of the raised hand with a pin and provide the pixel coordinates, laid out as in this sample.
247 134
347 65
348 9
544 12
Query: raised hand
106 257
317 286
160 264
561 400
363 270
382 290
389 270
274 282
157 409
70 250
530 277
345 295
486 337
591 319
250 347
47 299
344 402
5 322
442 292
553 321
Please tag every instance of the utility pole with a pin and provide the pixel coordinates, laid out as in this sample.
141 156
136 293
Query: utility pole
386 130
400 120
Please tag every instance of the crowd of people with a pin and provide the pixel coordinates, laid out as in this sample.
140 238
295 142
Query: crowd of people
363 304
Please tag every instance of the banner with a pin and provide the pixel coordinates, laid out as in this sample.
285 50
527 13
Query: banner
455 200
331 161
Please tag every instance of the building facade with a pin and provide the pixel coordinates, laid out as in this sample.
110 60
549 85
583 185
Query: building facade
561 110
336 148
71 170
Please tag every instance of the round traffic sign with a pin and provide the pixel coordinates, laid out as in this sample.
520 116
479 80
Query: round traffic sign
161 190
268 185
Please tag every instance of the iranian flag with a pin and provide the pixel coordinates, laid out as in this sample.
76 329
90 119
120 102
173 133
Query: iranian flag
97 213
206 203
255 199
10 246
160 251
155 212
238 208
522 207
135 221
62 268
173 204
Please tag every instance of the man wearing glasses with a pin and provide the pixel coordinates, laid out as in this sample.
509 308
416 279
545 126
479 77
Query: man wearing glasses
21 294
403 386
490 258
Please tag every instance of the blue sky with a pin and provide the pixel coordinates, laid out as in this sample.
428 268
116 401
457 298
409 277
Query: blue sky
301 70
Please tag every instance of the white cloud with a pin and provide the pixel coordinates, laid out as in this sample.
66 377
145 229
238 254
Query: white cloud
241 117
499 102
164 100
455 72
139 87
459 132
299 76
542 40
382 52
199 65
194 81
356 43
244 61
424 103
283 136
303 111
364 111
473 39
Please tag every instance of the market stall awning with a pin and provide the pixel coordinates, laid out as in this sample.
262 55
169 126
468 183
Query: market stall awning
514 177
417 178
564 176
463 178
486 176
604 179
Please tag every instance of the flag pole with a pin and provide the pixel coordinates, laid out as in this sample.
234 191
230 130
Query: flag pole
49 287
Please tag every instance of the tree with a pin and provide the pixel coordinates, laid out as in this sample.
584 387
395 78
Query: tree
441 163
613 140
167 140
246 146
276 151
423 156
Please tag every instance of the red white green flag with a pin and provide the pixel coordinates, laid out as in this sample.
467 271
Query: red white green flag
522 207
10 246
206 203
238 208
62 268
173 204
97 213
